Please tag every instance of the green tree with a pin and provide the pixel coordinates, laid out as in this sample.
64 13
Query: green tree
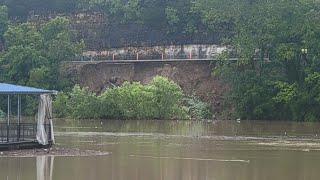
286 32
58 47
32 56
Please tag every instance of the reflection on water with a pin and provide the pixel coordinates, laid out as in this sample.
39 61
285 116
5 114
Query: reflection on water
177 150
44 167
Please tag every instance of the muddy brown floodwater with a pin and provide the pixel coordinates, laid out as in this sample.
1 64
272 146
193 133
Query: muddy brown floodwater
175 150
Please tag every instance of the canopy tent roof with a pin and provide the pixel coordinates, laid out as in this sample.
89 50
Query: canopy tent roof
17 89
14 134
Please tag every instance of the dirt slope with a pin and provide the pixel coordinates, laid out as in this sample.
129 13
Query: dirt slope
193 77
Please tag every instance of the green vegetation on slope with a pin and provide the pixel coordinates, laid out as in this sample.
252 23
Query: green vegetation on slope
160 99
170 16
173 16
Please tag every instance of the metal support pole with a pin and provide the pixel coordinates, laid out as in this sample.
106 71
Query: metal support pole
19 116
8 122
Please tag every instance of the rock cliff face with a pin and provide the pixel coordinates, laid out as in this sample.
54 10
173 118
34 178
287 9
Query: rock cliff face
194 77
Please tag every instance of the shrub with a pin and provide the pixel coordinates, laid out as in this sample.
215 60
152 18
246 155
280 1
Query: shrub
129 101
197 108
60 108
82 103
2 114
167 96
160 99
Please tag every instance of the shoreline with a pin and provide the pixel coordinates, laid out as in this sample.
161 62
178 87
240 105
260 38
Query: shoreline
54 151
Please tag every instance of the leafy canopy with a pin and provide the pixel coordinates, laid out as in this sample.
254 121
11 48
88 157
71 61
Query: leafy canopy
32 56
287 33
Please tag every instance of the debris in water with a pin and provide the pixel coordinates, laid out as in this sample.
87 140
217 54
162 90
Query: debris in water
196 159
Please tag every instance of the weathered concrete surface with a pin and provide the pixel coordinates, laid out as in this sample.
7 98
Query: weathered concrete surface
193 76
194 51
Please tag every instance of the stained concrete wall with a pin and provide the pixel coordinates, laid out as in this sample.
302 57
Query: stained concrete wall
196 51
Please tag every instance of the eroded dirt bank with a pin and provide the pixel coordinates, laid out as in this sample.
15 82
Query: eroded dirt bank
193 76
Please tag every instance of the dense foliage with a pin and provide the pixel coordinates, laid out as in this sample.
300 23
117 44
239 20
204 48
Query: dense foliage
287 32
32 55
197 108
285 86
3 20
160 99
174 16
171 16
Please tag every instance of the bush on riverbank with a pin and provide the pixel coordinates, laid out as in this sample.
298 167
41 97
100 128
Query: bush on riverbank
2 114
197 108
160 99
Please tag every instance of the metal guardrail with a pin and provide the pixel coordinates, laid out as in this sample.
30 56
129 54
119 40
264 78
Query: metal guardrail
153 60
146 60
20 132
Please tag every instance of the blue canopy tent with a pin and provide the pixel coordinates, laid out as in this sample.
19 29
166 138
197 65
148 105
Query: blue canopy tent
11 134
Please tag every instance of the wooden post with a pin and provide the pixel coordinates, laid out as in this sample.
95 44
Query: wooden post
112 57
137 56
162 56
190 54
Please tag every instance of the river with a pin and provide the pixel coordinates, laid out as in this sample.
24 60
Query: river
177 150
